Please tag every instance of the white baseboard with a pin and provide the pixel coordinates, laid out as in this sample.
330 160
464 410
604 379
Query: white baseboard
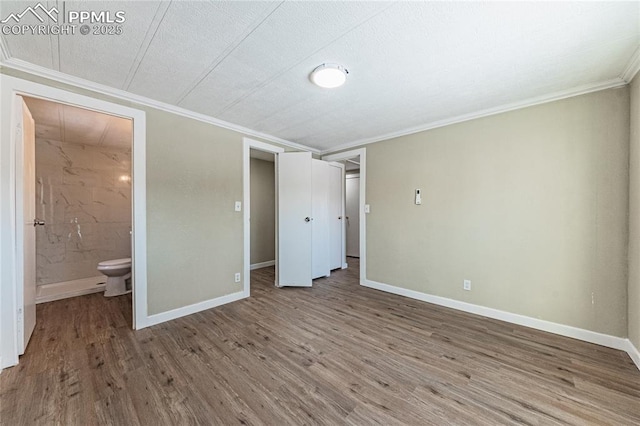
63 290
634 353
192 309
262 264
607 340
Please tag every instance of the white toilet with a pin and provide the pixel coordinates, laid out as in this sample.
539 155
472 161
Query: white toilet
118 272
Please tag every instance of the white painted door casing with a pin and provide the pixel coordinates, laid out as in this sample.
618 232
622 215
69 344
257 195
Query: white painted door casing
352 188
335 184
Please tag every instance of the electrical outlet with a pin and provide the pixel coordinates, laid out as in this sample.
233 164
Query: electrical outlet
237 277
467 285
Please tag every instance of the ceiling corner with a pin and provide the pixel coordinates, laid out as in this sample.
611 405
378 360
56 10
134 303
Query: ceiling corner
632 67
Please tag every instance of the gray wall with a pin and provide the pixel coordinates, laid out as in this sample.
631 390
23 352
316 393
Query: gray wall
194 236
530 205
634 217
263 211
86 207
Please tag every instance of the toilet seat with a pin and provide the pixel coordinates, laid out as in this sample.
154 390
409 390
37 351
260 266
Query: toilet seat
114 264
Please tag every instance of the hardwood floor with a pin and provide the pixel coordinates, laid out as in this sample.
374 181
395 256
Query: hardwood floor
337 353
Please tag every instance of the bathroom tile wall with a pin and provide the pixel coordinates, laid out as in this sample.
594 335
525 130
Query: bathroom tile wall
83 192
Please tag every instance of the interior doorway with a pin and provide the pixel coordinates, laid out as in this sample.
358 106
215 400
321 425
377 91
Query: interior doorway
309 215
355 163
352 201
12 220
83 201
262 209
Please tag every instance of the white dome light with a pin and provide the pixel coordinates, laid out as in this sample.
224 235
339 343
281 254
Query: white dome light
329 76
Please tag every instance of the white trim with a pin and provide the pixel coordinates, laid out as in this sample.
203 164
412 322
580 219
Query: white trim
634 353
362 152
11 87
20 65
632 67
580 90
343 214
73 288
614 342
247 145
262 264
192 309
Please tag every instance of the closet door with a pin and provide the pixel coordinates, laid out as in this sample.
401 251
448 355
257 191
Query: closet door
294 219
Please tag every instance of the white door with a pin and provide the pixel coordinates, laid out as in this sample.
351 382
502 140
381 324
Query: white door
336 223
353 216
320 215
294 219
26 215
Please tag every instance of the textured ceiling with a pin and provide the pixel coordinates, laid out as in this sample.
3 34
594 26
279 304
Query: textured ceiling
79 126
410 63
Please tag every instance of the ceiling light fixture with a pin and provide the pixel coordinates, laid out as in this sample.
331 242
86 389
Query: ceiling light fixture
329 76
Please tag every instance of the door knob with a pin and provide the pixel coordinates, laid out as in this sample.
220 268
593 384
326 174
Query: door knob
38 222
308 219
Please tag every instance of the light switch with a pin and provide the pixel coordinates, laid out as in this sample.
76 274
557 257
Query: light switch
238 206
367 208
418 197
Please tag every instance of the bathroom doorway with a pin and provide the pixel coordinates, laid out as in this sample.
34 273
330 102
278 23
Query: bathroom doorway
83 200
17 293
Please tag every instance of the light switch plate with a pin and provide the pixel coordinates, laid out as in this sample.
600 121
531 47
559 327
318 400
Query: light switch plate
238 206
367 208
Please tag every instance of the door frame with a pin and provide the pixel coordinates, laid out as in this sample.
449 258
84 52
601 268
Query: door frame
343 212
362 152
247 145
352 176
9 169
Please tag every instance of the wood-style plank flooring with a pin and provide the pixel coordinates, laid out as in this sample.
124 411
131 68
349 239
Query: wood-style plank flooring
337 353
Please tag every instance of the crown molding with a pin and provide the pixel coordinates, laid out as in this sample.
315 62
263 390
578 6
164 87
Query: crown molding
632 67
556 96
23 66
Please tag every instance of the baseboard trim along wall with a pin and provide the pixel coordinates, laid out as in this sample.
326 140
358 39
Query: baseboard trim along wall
63 290
609 341
634 353
262 264
192 309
